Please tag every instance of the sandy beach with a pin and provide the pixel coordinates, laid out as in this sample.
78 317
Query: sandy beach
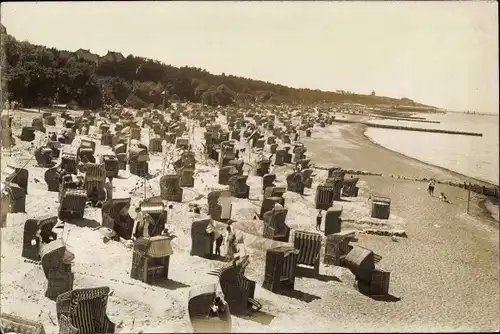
444 275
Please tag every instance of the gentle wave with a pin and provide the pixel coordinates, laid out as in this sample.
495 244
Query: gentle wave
476 157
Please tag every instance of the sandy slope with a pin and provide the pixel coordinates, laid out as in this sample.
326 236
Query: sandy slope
445 273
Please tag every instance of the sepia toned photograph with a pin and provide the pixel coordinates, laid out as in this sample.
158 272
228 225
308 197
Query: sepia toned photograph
249 167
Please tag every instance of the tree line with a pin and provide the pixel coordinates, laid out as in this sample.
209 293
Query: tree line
38 75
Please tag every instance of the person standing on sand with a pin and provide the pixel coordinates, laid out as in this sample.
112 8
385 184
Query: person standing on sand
319 217
430 189
218 242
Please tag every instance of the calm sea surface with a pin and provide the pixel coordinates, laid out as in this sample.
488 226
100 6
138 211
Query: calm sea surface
472 156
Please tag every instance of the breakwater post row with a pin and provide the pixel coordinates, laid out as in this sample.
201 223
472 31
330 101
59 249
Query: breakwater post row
406 119
407 128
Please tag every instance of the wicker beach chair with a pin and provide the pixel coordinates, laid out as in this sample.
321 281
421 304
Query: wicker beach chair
138 161
111 164
19 176
275 227
155 209
219 205
324 197
333 222
43 156
337 247
268 181
31 243
116 217
280 268
238 186
238 290
361 262
309 246
16 197
10 323
202 242
262 167
203 319
83 311
72 204
349 188
56 148
186 177
56 264
69 163
151 259
170 189
381 207
295 183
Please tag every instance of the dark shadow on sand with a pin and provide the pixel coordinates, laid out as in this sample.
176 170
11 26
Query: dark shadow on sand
170 284
387 298
84 222
322 278
260 317
300 295
217 258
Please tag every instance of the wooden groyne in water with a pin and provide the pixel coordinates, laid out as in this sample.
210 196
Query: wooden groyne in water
407 128
406 119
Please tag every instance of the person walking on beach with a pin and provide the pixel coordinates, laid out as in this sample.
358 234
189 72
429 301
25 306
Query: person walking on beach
430 189
319 217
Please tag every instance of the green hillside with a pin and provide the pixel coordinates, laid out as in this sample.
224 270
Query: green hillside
39 75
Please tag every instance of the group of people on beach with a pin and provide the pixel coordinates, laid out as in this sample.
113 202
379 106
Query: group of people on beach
430 191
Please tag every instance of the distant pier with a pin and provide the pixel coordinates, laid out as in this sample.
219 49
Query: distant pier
407 128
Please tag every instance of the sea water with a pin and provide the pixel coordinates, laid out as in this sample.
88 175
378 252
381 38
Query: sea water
472 156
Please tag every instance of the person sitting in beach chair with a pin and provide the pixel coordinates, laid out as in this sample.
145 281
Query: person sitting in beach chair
94 197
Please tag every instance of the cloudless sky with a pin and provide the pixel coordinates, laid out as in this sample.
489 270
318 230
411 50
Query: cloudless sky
439 53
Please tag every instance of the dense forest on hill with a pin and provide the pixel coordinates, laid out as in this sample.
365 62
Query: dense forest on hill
38 75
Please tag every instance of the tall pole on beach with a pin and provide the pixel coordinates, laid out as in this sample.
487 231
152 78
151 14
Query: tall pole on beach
468 197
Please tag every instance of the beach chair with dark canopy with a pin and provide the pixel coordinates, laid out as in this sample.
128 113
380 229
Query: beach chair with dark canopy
309 246
20 177
295 183
371 279
275 227
13 324
337 247
115 216
43 156
268 181
72 206
83 311
17 197
238 290
324 197
349 188
56 264
280 268
203 317
170 188
151 259
202 241
69 163
31 243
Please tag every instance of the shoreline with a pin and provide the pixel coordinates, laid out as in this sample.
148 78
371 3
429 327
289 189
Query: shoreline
488 210
400 164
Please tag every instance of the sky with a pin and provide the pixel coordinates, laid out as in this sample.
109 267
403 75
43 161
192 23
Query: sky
440 53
